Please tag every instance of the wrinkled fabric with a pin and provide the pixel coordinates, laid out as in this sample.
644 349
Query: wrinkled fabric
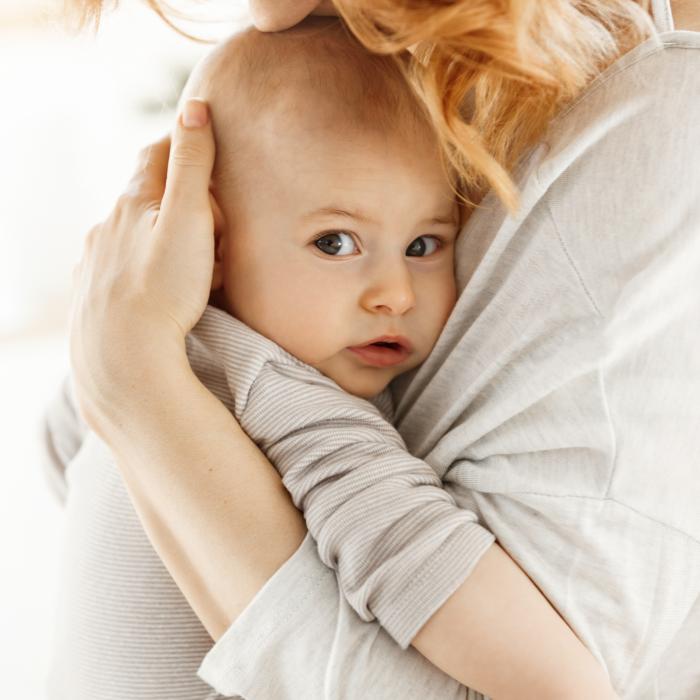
530 410
560 404
382 520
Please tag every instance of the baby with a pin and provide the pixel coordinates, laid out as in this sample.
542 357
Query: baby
335 231
337 221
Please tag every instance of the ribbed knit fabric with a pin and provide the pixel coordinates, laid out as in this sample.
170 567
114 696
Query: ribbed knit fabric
123 630
382 520
396 538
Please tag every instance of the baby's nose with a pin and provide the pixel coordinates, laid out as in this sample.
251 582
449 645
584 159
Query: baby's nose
390 290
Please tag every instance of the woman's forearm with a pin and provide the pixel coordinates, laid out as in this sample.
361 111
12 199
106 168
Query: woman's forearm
213 506
221 520
499 632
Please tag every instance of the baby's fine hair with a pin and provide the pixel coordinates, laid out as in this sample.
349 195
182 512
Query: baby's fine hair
317 66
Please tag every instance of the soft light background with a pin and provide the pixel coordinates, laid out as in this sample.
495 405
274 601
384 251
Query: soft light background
74 112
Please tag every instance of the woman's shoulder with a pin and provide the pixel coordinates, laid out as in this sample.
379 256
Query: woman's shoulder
619 174
610 192
652 92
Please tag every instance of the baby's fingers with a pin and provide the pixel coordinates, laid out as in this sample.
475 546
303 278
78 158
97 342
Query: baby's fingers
190 163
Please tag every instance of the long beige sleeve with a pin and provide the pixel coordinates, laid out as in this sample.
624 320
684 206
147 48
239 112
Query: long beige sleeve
399 543
63 432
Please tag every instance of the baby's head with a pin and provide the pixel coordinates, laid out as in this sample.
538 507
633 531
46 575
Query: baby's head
337 221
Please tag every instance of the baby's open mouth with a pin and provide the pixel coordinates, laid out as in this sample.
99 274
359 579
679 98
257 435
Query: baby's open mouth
392 342
383 353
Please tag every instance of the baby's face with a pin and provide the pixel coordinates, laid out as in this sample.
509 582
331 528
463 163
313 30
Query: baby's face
334 240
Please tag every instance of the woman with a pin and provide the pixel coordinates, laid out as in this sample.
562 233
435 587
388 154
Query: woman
561 385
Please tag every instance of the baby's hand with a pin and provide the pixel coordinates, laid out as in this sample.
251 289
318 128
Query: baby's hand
145 275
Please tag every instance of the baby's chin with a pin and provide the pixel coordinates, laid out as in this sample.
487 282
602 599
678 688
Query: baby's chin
365 387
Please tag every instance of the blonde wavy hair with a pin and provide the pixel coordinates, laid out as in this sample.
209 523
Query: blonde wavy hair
491 73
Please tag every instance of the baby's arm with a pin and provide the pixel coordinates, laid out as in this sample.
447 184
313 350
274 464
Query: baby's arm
402 549
62 432
380 517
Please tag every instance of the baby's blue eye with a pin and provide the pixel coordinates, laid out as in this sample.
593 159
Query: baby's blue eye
419 249
335 243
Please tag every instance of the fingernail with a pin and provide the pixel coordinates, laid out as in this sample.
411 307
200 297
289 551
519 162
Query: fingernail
194 114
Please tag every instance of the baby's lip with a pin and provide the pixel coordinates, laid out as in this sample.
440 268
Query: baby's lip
403 342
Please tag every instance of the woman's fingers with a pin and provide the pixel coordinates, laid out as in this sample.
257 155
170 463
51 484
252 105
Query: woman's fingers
276 15
148 182
177 169
154 168
190 163
145 275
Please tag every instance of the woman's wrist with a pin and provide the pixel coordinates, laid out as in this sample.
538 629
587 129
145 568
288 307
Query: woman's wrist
126 378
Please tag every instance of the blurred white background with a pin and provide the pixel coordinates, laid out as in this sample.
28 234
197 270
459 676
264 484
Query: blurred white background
74 112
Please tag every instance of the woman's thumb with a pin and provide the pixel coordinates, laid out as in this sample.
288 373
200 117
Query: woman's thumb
191 159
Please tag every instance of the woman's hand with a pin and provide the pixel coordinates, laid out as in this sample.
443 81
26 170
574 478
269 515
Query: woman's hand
144 279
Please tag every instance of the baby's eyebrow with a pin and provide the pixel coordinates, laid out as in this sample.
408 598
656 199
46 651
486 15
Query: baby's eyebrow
337 211
360 216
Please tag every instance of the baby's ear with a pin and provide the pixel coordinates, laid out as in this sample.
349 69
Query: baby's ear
217 279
